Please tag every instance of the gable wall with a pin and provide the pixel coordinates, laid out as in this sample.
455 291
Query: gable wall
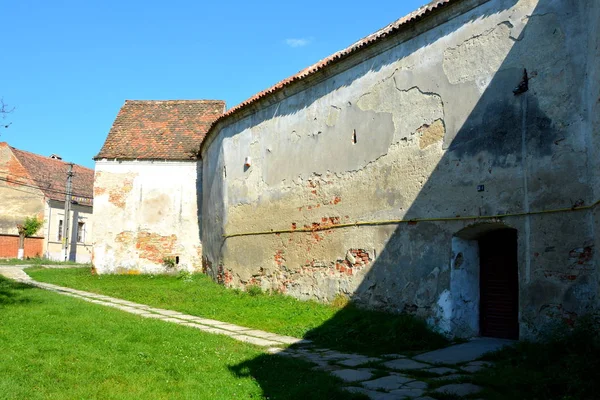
18 199
144 212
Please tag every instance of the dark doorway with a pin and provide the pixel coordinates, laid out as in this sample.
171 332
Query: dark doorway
499 285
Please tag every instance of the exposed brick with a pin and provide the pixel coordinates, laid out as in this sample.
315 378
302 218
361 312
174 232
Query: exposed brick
9 246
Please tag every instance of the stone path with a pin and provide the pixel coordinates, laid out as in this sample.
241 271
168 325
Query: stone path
389 377
15 273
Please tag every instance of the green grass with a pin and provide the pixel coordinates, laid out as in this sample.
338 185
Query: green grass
345 329
57 347
563 366
37 261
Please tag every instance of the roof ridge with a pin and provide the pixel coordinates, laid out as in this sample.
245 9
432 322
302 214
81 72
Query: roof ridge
160 129
49 175
48 157
176 101
368 40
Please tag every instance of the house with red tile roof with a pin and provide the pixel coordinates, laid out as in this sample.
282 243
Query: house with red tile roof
36 185
147 186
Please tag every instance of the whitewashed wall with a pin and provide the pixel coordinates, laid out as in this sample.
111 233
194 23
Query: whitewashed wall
146 212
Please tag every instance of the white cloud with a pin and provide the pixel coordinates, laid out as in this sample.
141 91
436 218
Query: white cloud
298 42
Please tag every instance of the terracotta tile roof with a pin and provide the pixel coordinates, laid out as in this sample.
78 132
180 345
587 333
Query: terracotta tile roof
160 129
50 175
402 23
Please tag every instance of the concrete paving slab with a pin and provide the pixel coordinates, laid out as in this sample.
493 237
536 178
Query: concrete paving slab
387 382
252 332
352 375
459 389
208 329
405 364
333 355
291 340
15 273
355 361
417 385
190 318
133 310
97 302
275 350
232 328
166 312
174 320
152 315
408 392
464 352
373 395
211 322
442 370
254 340
472 368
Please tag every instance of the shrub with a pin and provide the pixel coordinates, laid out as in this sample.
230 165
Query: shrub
254 290
169 262
30 226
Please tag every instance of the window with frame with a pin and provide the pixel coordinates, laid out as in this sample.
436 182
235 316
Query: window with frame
80 232
59 236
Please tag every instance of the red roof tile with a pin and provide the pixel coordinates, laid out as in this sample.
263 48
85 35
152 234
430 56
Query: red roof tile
375 37
50 175
160 129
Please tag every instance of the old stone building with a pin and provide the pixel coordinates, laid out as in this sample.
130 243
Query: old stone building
35 185
446 166
146 186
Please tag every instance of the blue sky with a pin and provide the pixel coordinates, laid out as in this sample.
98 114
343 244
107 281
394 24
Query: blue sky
67 66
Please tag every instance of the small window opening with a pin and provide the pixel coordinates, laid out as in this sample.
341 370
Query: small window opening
81 232
354 136
224 171
177 260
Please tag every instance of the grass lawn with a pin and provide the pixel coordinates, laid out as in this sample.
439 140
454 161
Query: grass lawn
346 329
57 347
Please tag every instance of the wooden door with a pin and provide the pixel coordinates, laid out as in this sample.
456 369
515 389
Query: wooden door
499 285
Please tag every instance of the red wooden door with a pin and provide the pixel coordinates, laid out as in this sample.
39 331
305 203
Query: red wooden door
499 285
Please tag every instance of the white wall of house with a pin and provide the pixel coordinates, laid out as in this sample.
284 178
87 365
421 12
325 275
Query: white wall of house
80 232
146 212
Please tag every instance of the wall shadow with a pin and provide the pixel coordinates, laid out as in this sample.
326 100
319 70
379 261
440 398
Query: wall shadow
74 231
522 156
497 163
288 378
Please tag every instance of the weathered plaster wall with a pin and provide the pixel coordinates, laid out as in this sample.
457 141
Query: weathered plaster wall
408 130
144 212
18 199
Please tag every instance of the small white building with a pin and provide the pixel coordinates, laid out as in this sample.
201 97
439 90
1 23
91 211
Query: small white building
147 183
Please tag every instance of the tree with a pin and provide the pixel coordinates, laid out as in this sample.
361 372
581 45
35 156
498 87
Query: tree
28 228
4 111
